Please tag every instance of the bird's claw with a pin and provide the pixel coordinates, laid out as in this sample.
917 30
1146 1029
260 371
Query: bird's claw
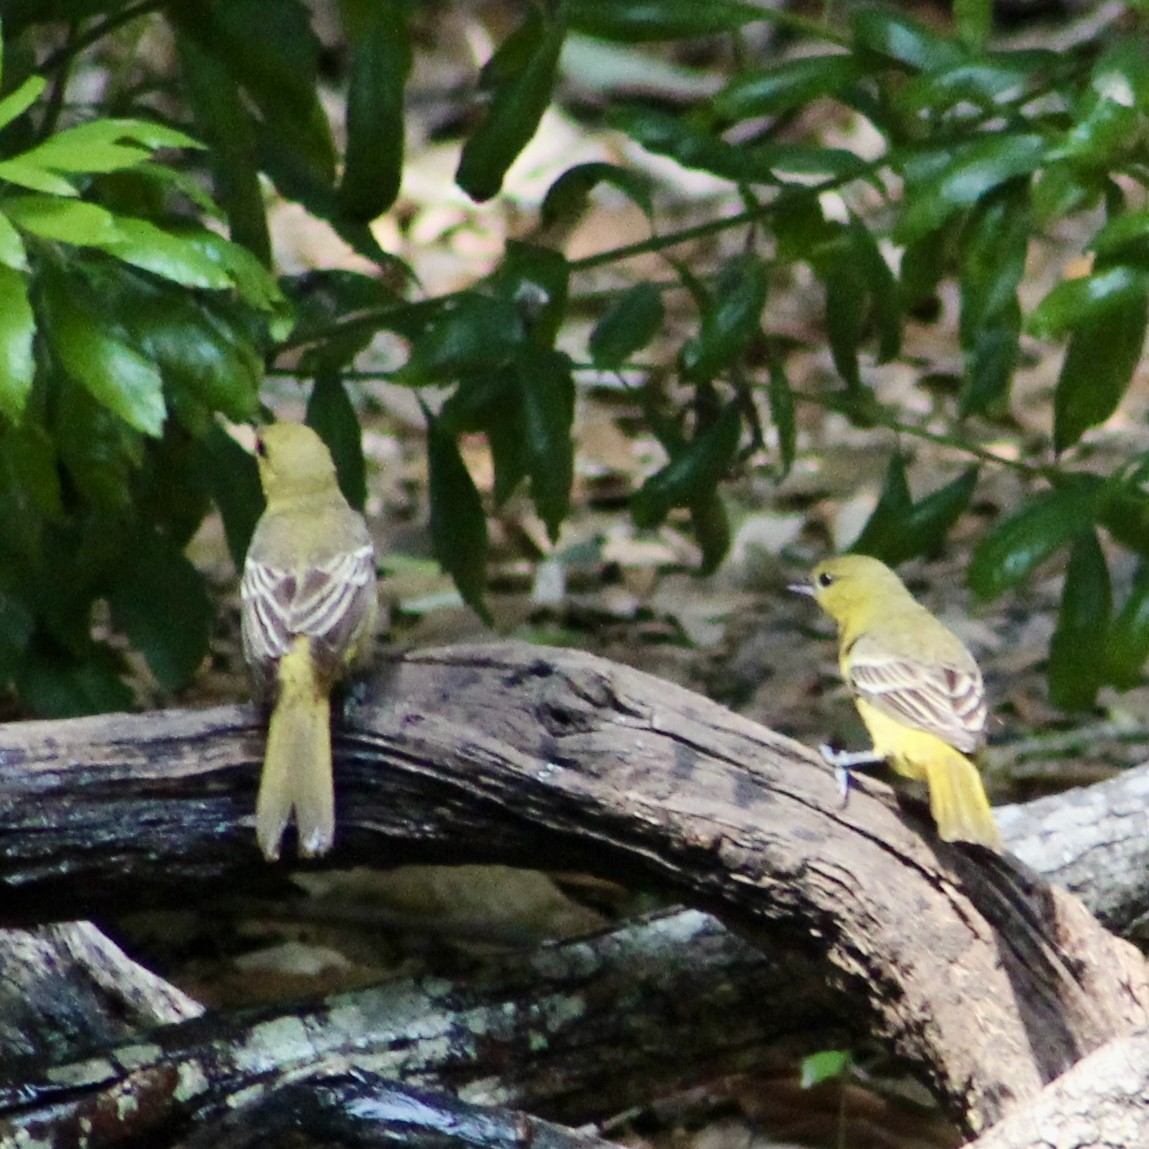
843 762
834 758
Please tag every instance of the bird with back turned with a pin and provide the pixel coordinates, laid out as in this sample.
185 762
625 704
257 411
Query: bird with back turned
309 607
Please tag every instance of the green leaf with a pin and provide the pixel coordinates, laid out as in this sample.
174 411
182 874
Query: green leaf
801 228
974 20
970 171
693 471
522 76
65 220
987 80
880 534
1122 239
328 307
899 529
255 285
784 85
1103 354
17 625
170 490
882 286
104 145
226 122
711 526
144 245
861 292
12 251
1107 123
207 361
160 602
16 103
1126 516
905 41
567 197
54 684
274 54
492 403
995 243
1014 549
330 413
380 38
825 1066
846 314
535 280
112 371
781 400
17 330
1127 642
467 332
627 326
990 362
636 21
695 145
233 477
547 390
925 262
478 401
99 451
731 319
458 524
17 171
30 495
1077 650
1074 302
1060 190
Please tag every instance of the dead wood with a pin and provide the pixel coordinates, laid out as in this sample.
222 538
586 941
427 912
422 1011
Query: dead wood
1094 841
575 1031
343 1104
66 986
987 981
1101 1103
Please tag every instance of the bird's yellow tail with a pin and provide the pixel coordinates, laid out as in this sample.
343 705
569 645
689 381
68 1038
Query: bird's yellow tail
297 768
958 802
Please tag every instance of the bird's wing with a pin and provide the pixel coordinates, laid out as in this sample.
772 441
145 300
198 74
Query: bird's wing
947 700
328 601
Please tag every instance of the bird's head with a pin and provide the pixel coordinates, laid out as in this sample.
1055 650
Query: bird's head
293 461
850 586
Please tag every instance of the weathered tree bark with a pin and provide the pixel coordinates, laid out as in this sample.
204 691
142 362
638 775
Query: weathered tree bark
577 1031
1101 1103
343 1104
66 986
990 983
1094 841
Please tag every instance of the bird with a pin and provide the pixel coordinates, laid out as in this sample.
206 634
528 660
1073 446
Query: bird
917 689
308 612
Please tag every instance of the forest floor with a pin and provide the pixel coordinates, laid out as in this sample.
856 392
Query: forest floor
633 596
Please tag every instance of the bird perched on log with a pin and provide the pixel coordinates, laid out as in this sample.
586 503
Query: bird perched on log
917 689
309 608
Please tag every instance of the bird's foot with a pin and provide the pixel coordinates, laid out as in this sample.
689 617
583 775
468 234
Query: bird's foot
843 761
354 694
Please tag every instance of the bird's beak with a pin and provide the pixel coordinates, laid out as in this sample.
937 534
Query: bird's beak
801 588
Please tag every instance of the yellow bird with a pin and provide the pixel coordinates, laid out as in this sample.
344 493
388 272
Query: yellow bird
916 687
309 607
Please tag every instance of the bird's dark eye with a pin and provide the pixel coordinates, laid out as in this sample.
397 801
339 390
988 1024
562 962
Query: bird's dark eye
260 447
825 579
